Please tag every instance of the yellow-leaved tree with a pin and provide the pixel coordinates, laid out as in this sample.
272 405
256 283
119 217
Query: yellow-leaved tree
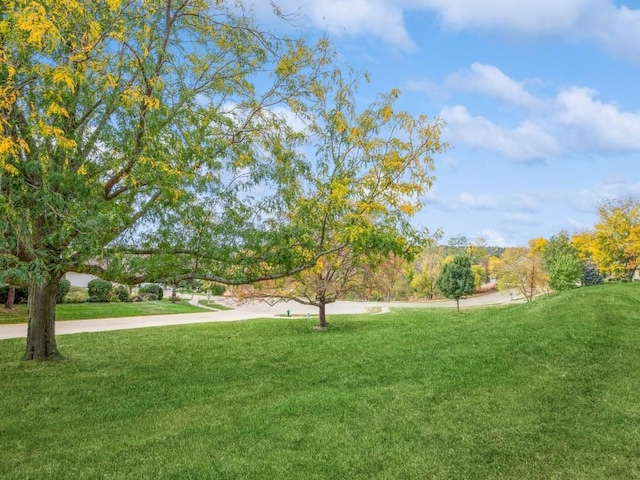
370 170
119 117
614 243
520 269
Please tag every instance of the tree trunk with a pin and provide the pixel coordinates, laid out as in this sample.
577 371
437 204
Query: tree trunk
458 304
322 314
41 340
11 296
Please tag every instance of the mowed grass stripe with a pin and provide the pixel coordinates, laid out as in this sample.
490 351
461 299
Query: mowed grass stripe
546 390
88 311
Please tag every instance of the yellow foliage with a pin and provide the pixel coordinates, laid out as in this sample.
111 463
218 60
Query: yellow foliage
114 4
111 81
341 123
538 245
613 247
393 160
286 66
64 77
55 109
243 160
495 264
387 113
33 20
584 244
409 208
11 146
57 133
447 259
8 168
150 103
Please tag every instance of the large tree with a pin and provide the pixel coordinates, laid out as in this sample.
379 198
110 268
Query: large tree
616 240
148 127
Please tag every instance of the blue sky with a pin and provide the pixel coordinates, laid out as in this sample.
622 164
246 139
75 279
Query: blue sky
541 101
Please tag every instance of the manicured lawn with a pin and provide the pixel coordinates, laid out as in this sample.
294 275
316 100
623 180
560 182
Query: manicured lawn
541 391
86 311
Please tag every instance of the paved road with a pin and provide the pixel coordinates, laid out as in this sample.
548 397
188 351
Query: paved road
247 311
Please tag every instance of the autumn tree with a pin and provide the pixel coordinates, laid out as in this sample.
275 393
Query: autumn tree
388 280
118 117
426 271
521 269
371 168
616 239
456 279
334 276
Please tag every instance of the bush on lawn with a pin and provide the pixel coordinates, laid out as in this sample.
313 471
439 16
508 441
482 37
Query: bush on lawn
63 288
76 295
121 293
151 288
99 290
217 289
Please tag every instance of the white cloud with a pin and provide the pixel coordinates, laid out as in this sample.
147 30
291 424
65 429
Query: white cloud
615 29
525 143
478 202
383 19
587 200
542 17
490 80
592 124
494 238
296 123
575 120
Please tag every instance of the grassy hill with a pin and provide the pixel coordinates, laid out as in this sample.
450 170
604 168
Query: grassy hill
540 391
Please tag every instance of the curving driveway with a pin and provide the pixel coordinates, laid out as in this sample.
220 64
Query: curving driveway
248 311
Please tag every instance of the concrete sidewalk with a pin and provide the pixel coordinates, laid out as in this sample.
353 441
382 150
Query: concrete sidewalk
123 323
247 311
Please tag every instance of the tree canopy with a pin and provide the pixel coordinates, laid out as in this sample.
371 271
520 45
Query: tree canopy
371 167
149 139
456 279
147 127
561 262
521 269
614 244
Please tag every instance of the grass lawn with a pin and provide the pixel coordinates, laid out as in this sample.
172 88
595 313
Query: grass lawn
213 304
86 311
541 391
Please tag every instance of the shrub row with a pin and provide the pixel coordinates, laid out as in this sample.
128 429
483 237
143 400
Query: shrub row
22 293
103 291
